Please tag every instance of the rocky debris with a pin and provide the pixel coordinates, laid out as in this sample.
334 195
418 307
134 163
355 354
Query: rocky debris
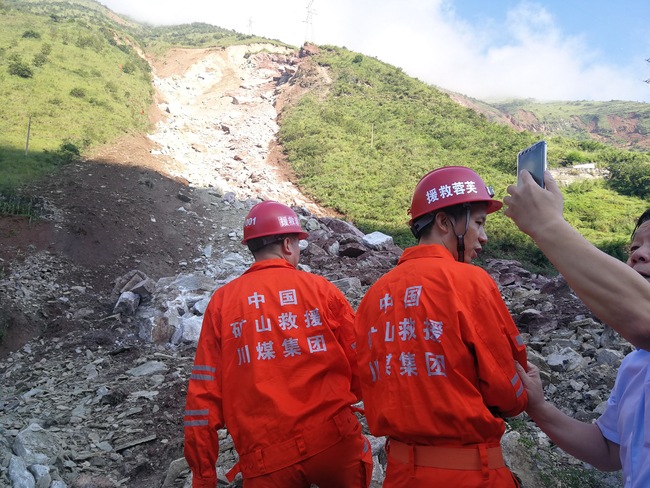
172 308
95 403
96 399
222 121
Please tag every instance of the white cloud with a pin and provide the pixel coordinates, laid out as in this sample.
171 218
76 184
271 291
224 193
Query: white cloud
525 55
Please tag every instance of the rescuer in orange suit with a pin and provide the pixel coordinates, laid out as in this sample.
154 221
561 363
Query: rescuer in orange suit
437 346
275 363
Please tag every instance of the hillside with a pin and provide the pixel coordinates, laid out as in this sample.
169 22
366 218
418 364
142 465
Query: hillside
617 123
226 126
108 399
356 146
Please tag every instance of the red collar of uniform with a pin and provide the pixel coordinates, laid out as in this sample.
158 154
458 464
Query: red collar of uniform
425 251
269 263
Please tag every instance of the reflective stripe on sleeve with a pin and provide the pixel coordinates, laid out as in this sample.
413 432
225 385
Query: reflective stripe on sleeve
516 379
196 422
209 369
198 369
202 377
196 413
520 390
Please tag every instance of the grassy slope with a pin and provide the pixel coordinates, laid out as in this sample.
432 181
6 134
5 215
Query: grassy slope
89 85
365 147
590 113
361 150
92 61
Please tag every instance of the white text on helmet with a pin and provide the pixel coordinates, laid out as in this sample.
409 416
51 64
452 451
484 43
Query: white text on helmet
446 191
288 221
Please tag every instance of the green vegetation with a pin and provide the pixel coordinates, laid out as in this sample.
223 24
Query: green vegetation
62 75
571 477
554 474
71 72
569 118
631 178
22 206
159 39
364 147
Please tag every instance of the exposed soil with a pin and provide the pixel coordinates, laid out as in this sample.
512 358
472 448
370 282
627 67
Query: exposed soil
127 206
118 209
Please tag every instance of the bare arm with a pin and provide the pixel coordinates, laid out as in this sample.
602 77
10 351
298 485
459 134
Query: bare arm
614 292
582 440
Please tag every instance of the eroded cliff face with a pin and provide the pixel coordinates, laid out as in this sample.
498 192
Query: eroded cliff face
627 132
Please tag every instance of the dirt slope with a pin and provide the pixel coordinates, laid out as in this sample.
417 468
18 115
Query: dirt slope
151 202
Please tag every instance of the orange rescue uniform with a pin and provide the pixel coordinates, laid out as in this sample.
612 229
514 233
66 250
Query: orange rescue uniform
276 364
436 352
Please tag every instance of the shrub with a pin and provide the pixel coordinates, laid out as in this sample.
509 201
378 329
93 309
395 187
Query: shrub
31 34
630 178
67 153
129 67
39 60
19 68
90 41
111 87
78 92
573 157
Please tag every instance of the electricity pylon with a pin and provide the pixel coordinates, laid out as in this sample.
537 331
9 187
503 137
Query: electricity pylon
309 32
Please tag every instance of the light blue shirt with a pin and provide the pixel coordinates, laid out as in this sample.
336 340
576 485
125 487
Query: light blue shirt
626 421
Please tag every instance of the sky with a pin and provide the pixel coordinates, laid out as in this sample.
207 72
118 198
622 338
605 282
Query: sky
486 49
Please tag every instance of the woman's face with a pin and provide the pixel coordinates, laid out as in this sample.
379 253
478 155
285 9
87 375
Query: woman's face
639 258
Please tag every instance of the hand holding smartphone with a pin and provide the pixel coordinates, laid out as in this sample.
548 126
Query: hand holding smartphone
533 159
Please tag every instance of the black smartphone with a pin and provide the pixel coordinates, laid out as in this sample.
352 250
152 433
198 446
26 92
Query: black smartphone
533 159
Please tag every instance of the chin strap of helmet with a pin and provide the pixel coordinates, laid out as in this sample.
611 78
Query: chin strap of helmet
460 247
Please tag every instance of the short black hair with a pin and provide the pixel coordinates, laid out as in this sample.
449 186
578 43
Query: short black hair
645 216
254 245
422 225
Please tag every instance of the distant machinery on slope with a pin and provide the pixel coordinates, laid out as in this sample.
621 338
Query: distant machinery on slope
309 32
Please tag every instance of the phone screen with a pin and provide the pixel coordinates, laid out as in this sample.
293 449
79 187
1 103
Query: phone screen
533 159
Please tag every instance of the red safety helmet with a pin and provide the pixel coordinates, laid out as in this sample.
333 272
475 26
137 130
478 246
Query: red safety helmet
271 218
447 186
